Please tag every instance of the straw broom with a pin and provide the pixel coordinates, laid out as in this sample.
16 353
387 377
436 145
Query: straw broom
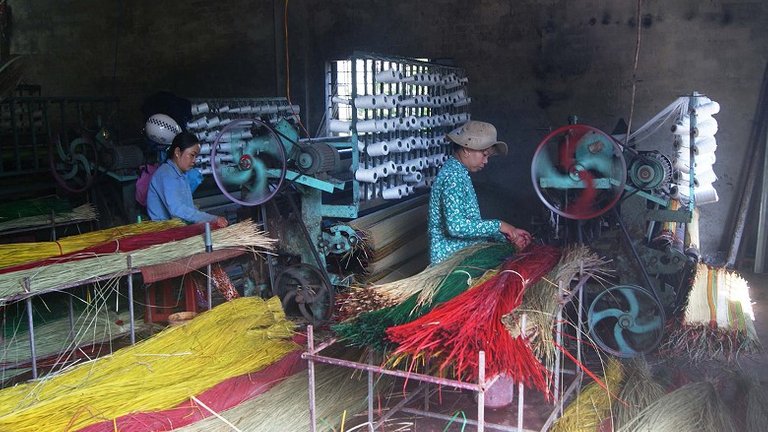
124 244
235 338
757 406
593 404
85 212
16 253
694 407
638 391
541 301
454 332
369 329
335 390
244 235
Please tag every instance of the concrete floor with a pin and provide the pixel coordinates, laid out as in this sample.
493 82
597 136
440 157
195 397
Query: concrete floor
459 404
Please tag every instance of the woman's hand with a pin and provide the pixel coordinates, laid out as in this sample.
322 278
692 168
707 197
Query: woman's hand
220 222
519 237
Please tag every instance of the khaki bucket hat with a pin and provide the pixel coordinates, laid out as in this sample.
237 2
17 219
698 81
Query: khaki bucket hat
478 135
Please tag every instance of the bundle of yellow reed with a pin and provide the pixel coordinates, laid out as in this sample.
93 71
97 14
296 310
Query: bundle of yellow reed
17 253
243 235
593 404
235 338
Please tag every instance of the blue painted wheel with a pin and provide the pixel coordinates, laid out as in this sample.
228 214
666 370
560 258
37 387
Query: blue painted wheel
626 321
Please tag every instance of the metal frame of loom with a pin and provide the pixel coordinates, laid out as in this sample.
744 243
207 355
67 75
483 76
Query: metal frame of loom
312 355
129 271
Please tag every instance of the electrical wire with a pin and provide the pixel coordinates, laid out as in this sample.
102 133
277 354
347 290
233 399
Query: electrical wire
634 74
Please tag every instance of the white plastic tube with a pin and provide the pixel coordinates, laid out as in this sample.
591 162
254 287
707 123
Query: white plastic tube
200 108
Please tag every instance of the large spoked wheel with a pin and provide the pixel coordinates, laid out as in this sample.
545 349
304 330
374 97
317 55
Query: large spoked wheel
626 321
579 172
73 164
302 289
248 162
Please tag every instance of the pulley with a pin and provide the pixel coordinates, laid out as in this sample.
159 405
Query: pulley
578 171
303 289
626 321
248 161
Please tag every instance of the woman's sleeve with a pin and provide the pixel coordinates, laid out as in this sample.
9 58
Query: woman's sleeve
461 221
173 197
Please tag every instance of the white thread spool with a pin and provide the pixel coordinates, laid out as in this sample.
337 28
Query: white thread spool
367 175
223 109
231 136
707 109
200 108
420 143
384 125
706 127
212 122
413 178
705 195
420 185
463 102
375 102
365 126
384 170
392 193
339 126
380 148
389 76
705 176
269 109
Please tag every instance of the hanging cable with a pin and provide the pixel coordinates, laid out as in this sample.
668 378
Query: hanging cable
634 73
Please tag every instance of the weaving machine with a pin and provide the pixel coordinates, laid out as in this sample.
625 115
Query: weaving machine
613 194
386 121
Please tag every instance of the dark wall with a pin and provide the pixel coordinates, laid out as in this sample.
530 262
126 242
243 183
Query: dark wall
531 63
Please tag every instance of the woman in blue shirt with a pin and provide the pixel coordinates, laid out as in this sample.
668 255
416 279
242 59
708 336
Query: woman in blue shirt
454 214
169 195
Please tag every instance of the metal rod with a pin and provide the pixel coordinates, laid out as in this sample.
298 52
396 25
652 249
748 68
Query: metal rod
71 313
311 375
555 414
493 426
520 388
383 371
480 391
370 388
209 285
31 322
405 401
128 260
760 249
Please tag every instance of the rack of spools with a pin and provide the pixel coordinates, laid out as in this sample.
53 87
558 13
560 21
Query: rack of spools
695 144
399 111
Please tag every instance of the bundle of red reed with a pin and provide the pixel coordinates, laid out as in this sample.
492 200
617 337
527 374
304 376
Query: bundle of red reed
454 332
125 244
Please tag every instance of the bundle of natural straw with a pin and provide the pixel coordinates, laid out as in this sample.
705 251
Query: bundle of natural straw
235 338
244 235
541 301
16 253
593 404
695 407
336 393
85 212
757 406
638 391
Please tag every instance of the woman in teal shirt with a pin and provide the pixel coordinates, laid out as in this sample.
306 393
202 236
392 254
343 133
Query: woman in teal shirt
454 214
